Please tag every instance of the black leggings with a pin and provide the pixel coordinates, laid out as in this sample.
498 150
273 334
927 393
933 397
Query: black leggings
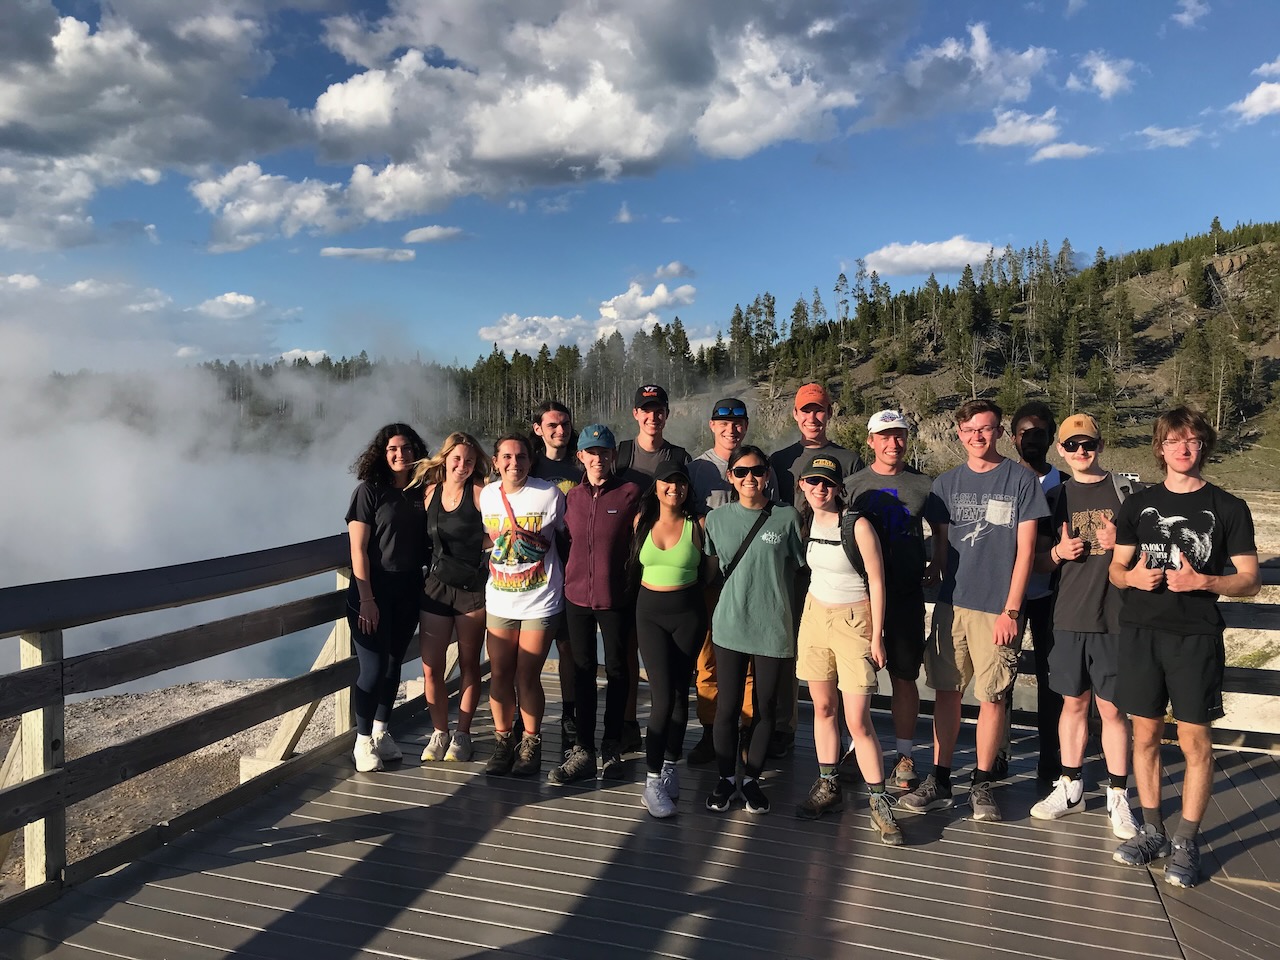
382 652
731 675
614 626
670 628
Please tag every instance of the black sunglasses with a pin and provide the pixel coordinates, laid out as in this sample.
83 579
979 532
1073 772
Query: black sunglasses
759 470
728 412
1088 446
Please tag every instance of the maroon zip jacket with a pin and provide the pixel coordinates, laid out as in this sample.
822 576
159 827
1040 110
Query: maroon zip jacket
599 523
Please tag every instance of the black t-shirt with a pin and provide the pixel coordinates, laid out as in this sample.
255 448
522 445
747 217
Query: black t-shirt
1086 601
565 474
789 461
398 539
895 507
1205 529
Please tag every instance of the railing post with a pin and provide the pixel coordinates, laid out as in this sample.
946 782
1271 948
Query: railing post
342 716
45 840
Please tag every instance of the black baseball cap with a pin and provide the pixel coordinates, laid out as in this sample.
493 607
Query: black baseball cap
730 408
671 470
823 466
650 393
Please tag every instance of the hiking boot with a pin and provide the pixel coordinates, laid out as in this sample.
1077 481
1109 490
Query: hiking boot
1147 845
1123 823
568 734
655 799
928 796
780 744
722 795
632 738
825 796
611 767
387 749
528 756
670 779
704 751
437 746
366 756
578 765
882 819
1067 797
753 797
904 773
504 755
1183 868
460 749
982 802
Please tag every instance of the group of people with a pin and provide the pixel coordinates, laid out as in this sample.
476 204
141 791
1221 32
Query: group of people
745 573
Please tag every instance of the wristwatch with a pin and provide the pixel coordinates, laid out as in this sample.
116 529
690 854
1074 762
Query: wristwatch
1012 615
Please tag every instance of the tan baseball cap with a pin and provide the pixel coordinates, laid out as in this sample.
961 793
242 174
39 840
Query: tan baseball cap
1078 425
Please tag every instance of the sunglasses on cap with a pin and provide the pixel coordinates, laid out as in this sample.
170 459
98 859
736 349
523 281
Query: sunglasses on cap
1088 446
758 471
728 412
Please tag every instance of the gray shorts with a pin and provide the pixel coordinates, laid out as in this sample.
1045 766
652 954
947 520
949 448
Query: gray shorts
1080 662
548 625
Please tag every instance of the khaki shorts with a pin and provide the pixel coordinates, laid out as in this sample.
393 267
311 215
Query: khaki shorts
835 644
960 649
547 625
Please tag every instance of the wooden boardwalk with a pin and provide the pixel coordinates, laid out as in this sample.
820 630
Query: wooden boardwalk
442 862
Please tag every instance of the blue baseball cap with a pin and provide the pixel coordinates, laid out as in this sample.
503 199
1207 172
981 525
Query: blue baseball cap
596 435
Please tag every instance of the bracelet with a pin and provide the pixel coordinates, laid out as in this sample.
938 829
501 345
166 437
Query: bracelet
1052 556
368 599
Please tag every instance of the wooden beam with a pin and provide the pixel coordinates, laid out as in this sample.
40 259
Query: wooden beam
10 773
143 658
294 723
1250 680
27 689
97 771
43 741
60 604
343 718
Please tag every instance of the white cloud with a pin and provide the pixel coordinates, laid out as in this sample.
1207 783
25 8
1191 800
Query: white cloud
636 310
1013 128
432 234
1063 151
1262 101
519 206
1104 76
672 270
21 281
251 206
527 334
311 356
1189 11
1170 136
384 254
1271 69
227 305
624 214
942 256
1075 6
670 219
560 203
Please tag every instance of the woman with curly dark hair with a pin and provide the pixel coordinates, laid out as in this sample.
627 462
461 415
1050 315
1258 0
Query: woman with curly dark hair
387 525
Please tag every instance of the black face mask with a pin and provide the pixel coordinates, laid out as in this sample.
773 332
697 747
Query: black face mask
1035 446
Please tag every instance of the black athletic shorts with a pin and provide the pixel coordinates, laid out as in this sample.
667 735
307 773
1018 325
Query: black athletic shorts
1158 669
904 633
446 601
1080 662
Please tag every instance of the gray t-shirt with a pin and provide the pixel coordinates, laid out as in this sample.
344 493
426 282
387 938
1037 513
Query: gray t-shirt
895 506
982 512
711 487
789 461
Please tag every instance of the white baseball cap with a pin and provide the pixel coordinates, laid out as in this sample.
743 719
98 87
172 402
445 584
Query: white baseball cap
887 420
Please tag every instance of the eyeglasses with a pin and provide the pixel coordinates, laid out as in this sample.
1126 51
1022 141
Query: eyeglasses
818 482
728 412
759 471
1088 446
970 431
1172 444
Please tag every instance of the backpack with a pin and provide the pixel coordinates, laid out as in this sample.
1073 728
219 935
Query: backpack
627 455
849 542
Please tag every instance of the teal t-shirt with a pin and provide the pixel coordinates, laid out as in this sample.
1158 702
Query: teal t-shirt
754 611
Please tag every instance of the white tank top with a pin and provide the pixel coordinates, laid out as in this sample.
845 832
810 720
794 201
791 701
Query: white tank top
833 580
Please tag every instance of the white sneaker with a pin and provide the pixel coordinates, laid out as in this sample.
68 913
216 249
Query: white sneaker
387 750
655 799
437 746
1123 823
460 749
366 754
670 780
1067 797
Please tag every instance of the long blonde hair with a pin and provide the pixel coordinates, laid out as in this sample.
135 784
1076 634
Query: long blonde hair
431 470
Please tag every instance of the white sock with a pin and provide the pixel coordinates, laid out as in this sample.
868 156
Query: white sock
379 727
652 776
668 765
362 738
905 746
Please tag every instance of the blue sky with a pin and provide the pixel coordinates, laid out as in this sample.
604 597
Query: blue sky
251 178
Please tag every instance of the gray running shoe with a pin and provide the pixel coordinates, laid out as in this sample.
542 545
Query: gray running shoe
928 796
655 799
882 819
670 780
1183 868
436 747
578 765
825 796
983 802
1148 845
528 756
460 749
504 755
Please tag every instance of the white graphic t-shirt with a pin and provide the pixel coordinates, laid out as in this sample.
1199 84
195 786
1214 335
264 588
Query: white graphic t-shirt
526 580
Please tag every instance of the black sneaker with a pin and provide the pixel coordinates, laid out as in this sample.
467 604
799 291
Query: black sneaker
568 734
528 756
753 797
825 796
504 755
780 743
1150 844
1183 868
632 738
704 751
578 765
611 767
722 795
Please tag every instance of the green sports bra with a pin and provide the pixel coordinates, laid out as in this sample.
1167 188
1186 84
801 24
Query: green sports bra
676 566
